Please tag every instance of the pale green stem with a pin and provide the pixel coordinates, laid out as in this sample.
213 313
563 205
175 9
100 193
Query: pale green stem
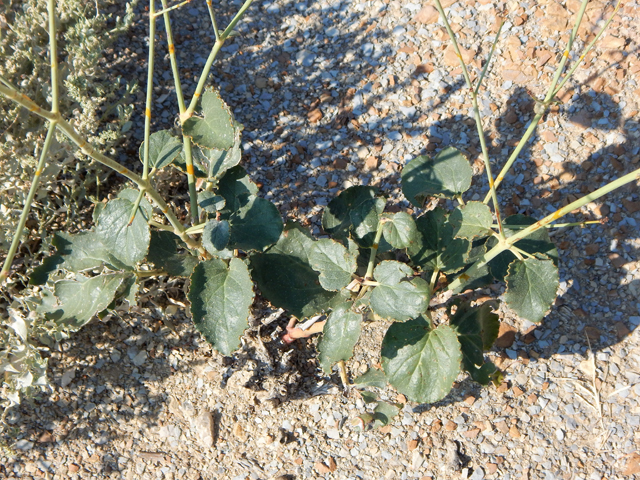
374 252
17 237
136 205
235 20
193 196
507 243
544 105
478 118
213 20
558 225
166 9
147 110
53 48
434 278
486 65
161 226
586 50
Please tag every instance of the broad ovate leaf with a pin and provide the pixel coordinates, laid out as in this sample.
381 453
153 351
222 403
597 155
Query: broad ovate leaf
128 243
400 296
339 336
286 278
436 247
79 300
356 210
471 220
400 230
132 194
163 149
448 174
477 329
334 262
215 236
236 188
255 225
163 253
419 361
210 202
532 285
371 378
221 295
215 129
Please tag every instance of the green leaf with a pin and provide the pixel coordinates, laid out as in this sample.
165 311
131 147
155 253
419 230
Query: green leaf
400 230
163 149
215 236
220 297
216 129
131 194
79 300
368 397
163 253
339 336
128 290
532 285
384 413
537 242
127 243
285 277
210 202
436 247
199 160
486 374
399 296
356 210
236 188
334 262
420 362
477 329
371 378
447 175
222 160
471 220
255 225
76 253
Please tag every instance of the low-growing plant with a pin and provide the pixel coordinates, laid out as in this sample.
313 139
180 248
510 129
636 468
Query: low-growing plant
390 265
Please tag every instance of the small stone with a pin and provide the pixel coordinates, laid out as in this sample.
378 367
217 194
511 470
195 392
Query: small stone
469 400
340 163
450 426
315 115
451 57
362 152
532 398
511 117
506 336
621 330
513 431
46 437
473 433
502 426
332 464
412 445
239 432
592 249
592 332
400 398
517 391
371 163
581 119
560 435
321 468
73 468
427 15
298 461
436 426
491 468
617 260
261 82
67 377
203 426
631 207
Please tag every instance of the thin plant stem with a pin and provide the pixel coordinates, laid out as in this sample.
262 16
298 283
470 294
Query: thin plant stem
136 205
147 110
543 106
559 225
434 279
477 116
161 226
212 14
17 237
236 19
586 51
506 244
374 252
188 157
342 368
488 62
53 49
166 9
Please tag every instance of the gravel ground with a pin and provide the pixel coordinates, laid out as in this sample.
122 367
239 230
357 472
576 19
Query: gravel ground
338 93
